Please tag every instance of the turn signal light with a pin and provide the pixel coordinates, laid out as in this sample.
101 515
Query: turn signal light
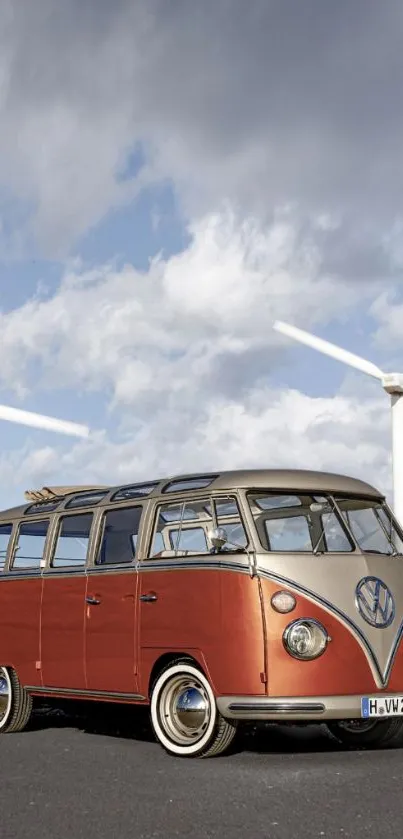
283 602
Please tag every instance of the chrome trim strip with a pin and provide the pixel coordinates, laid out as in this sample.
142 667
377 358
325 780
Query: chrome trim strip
96 694
180 563
21 575
117 568
278 708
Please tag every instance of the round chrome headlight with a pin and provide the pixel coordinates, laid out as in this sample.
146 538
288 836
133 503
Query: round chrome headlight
305 639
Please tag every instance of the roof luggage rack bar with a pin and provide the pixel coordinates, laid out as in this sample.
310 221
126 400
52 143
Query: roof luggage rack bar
52 493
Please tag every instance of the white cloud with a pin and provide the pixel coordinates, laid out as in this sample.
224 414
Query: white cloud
169 333
270 429
185 352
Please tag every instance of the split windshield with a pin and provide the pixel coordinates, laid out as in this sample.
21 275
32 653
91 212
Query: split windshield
324 524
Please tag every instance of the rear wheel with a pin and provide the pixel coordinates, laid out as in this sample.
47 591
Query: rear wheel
184 713
15 702
367 733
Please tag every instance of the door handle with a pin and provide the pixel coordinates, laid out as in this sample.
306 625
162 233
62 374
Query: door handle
148 598
92 601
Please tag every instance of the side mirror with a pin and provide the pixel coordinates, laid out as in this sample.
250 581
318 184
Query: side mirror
218 537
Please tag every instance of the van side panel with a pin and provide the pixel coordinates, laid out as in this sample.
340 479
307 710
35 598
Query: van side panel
62 631
342 669
20 607
213 615
110 631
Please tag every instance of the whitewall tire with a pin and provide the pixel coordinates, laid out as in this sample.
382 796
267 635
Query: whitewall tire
184 714
15 702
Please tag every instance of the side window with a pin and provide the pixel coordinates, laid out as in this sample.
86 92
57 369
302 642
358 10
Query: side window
182 528
119 538
30 546
72 541
5 533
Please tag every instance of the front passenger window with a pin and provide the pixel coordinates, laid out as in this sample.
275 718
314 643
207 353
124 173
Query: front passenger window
182 527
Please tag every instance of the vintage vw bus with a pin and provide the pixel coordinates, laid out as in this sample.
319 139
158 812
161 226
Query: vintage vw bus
248 595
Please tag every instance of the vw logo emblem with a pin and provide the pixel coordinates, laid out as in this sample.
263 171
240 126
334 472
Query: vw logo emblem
375 602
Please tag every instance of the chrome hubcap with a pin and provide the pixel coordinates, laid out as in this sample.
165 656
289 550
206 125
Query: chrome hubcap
5 696
184 709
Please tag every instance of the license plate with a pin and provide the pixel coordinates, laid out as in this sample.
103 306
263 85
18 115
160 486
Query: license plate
381 706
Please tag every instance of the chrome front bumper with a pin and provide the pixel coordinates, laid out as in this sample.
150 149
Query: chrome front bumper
283 708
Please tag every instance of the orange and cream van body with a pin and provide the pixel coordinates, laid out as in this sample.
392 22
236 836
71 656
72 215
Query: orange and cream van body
213 599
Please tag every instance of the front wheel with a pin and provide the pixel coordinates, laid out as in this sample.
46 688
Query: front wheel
184 713
367 734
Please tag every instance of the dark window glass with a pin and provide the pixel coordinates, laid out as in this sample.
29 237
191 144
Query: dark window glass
30 546
120 534
5 533
87 499
72 541
190 483
135 491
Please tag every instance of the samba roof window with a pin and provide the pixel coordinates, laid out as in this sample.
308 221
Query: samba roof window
134 491
42 507
86 499
183 484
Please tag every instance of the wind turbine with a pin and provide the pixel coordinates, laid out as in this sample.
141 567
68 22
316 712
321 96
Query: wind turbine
39 421
392 383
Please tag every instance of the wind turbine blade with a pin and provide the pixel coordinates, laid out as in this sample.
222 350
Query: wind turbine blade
329 349
39 421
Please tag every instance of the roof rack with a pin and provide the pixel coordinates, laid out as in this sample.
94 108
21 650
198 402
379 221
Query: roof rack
52 493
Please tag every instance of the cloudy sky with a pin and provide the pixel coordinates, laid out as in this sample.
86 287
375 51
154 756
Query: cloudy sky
173 177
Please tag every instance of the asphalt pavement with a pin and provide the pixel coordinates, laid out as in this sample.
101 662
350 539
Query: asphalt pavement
100 774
